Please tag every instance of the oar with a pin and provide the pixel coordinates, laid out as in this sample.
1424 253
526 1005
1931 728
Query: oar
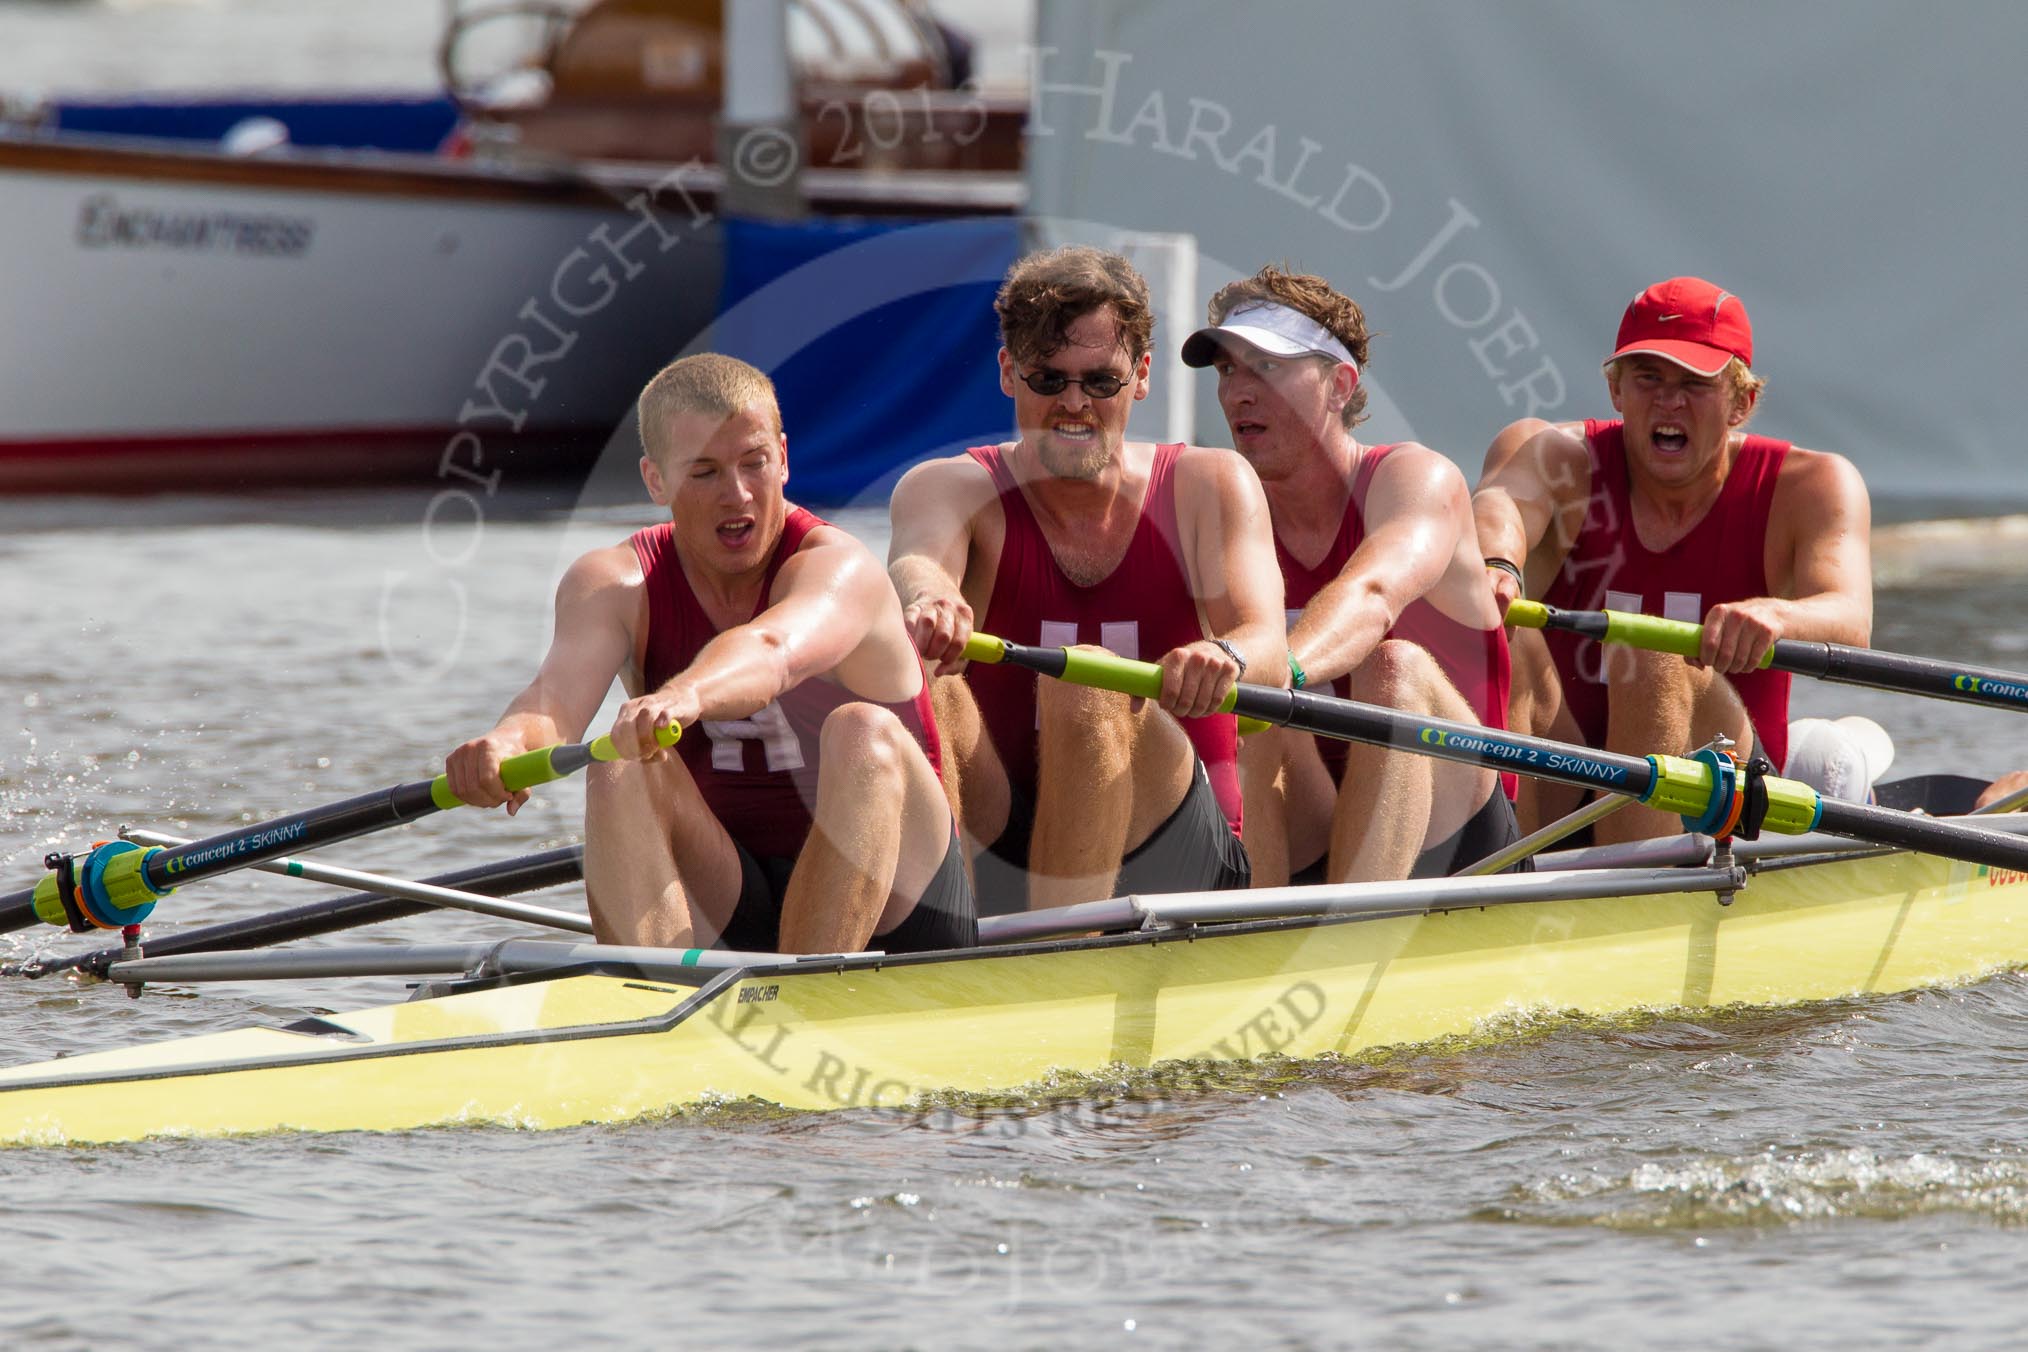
523 873
448 898
1825 661
117 883
1706 792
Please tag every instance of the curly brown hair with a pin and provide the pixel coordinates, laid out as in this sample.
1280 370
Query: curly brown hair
1311 295
1046 293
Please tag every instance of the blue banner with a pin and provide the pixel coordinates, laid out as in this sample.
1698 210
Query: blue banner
880 337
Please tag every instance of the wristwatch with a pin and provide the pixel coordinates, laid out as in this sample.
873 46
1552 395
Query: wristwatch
1233 653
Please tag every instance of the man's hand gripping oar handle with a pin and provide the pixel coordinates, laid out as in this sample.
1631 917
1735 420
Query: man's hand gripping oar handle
1616 626
1099 670
1867 667
548 763
1708 791
117 883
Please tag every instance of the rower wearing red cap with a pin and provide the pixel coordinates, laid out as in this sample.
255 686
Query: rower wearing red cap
1672 509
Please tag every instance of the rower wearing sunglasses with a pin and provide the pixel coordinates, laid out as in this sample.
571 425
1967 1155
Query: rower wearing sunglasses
1071 534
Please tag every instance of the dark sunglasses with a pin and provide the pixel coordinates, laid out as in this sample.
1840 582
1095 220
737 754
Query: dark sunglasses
1055 382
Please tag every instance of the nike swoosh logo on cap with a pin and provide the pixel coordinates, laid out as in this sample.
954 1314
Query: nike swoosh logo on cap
1663 319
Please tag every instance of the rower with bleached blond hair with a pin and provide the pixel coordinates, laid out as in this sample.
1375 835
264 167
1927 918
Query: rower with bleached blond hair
801 809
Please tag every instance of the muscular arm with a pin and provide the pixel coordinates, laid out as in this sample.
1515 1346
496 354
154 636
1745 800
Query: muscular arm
1819 564
1229 548
1534 470
825 600
931 517
596 604
1415 510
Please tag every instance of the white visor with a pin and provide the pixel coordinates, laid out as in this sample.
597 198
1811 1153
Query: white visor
1839 757
1274 329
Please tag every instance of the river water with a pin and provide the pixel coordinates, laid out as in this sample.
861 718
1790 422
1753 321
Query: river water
1807 1177
1818 1177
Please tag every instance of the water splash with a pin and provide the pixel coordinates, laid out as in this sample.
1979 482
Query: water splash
1778 1187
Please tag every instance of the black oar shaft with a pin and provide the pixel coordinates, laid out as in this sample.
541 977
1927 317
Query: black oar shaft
1467 743
526 873
1598 769
1902 673
1911 831
123 882
1669 783
228 850
1346 719
1869 667
326 825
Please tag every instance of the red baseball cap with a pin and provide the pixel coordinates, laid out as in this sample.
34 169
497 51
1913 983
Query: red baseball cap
1688 321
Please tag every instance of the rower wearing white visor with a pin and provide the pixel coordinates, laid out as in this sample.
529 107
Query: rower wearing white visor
1387 596
1839 757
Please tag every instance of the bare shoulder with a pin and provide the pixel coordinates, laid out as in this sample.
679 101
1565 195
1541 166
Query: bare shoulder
1822 482
1823 469
951 482
1209 459
1564 439
1214 468
1412 467
611 569
825 535
601 591
1550 455
833 550
1513 436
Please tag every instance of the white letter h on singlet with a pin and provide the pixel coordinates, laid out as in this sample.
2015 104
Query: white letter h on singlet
1121 638
769 726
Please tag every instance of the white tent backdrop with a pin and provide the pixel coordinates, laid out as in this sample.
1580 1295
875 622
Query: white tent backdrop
1494 181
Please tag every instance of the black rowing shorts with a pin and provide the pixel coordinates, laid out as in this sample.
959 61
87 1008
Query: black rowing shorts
1490 829
945 916
1193 851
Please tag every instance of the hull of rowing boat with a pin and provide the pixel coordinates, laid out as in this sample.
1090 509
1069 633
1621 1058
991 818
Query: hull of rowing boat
594 1048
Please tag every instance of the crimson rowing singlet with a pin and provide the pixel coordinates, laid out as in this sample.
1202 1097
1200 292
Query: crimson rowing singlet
1475 660
1141 610
1723 558
758 775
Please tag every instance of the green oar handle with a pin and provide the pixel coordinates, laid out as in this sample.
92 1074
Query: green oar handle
1617 626
1102 671
547 763
1091 667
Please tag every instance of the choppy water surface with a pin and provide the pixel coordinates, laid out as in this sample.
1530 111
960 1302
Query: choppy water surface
1821 1177
1804 1178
